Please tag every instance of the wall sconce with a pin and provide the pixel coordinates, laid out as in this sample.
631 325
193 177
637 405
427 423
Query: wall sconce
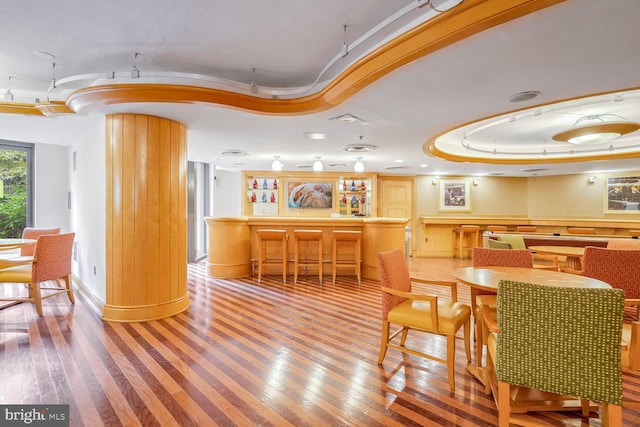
592 179
476 181
434 180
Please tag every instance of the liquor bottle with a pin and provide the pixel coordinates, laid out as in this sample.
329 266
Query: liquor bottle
264 197
354 201
344 199
255 184
264 184
362 199
362 186
353 186
275 184
253 197
273 197
344 185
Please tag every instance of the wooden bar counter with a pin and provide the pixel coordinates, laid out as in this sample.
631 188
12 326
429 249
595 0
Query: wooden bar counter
233 240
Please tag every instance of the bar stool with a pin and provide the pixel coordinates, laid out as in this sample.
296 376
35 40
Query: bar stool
526 228
307 236
354 237
497 228
280 237
466 233
581 230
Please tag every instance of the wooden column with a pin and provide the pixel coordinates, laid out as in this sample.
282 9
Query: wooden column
146 218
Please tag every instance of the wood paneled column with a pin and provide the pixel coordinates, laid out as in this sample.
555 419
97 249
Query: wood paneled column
146 218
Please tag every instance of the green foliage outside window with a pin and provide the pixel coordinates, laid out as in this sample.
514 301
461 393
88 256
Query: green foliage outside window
13 206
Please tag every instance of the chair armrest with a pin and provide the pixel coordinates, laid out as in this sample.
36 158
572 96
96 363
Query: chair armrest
431 299
448 283
490 320
632 301
571 270
634 347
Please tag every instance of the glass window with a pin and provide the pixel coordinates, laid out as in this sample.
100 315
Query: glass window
16 188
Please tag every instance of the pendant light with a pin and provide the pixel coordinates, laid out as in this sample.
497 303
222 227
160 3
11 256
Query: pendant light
317 165
358 166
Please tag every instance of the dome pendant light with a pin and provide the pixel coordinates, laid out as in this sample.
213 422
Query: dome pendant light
358 166
277 164
317 165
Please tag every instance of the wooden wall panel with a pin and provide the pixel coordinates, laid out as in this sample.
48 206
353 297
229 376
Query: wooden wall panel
146 218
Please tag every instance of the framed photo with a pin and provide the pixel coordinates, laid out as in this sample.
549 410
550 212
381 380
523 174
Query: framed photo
454 195
309 195
622 194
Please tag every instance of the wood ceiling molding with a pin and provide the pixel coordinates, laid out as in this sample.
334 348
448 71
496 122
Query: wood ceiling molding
19 108
464 20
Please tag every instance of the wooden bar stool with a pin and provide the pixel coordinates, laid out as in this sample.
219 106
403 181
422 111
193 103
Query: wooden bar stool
354 237
469 234
307 236
497 228
279 237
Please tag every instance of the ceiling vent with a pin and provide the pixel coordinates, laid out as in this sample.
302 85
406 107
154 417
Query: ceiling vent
524 96
535 170
347 118
396 167
234 153
358 148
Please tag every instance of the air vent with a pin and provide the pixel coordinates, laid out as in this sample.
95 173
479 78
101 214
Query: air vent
396 167
347 118
496 173
335 165
358 148
234 153
307 166
524 96
535 170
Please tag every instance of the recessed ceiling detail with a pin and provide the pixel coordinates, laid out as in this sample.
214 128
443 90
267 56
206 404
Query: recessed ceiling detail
234 153
358 148
547 133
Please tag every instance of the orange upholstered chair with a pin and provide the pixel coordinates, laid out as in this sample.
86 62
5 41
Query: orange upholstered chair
419 312
621 269
623 244
481 300
51 262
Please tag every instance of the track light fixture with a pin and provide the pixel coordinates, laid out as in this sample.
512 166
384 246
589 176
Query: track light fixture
8 96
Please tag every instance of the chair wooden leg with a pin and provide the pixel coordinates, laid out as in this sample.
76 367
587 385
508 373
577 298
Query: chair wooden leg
634 346
383 342
37 300
405 333
610 415
504 404
467 339
451 356
67 282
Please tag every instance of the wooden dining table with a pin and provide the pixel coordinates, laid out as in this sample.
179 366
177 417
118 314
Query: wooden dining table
7 244
573 253
488 279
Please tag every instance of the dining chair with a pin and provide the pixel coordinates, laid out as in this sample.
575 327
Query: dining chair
51 263
623 244
558 340
486 300
26 251
517 242
419 312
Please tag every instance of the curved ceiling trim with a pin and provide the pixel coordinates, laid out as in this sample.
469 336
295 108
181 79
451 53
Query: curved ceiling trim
467 19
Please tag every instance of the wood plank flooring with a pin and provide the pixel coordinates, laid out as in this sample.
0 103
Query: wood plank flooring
244 354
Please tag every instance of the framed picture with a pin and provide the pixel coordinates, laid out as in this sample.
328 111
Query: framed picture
455 195
309 195
622 194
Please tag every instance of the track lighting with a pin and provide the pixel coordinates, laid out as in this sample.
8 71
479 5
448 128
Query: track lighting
8 96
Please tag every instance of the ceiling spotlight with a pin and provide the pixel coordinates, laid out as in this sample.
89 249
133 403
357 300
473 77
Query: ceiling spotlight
317 165
277 164
597 128
524 96
254 86
358 166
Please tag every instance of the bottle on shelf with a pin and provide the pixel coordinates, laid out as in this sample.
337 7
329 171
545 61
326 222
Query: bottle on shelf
264 184
344 185
273 197
253 197
362 199
275 184
363 187
264 197
354 201
344 199
255 184
353 186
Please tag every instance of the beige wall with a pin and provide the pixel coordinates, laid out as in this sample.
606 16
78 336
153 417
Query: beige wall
560 196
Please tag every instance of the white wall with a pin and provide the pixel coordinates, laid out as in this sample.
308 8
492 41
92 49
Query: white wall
51 170
88 183
226 188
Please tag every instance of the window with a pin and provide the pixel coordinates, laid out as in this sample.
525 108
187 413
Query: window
16 187
199 207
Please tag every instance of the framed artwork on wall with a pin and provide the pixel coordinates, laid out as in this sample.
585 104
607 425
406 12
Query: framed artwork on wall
622 194
313 195
454 195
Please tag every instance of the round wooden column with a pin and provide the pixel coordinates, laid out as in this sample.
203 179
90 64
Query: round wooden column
146 218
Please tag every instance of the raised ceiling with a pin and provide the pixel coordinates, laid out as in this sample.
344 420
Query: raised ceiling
566 50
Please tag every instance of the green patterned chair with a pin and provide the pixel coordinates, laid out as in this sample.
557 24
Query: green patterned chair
559 340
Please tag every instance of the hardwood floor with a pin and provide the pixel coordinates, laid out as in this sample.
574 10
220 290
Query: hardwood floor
244 354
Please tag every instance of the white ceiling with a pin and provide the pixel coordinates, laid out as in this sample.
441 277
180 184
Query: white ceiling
572 49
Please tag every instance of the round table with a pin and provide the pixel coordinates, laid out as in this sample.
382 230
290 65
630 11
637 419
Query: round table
11 243
573 254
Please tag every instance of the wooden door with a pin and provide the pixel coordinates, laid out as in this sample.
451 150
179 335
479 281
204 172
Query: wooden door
396 200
